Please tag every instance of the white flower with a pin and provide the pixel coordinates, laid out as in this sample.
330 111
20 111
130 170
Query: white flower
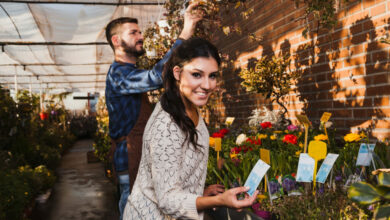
258 116
328 124
241 138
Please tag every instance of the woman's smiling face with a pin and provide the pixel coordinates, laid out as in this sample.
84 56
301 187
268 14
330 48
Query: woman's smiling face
197 79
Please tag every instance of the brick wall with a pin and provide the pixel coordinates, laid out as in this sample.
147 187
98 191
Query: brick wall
345 71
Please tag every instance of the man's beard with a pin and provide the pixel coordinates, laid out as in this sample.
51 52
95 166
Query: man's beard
132 50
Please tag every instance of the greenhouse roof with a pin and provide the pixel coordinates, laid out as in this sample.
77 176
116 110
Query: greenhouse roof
60 46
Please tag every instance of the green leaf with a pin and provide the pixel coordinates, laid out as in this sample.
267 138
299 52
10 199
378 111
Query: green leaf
363 193
382 212
384 179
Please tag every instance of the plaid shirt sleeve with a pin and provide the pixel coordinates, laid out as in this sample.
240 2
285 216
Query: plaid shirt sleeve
126 79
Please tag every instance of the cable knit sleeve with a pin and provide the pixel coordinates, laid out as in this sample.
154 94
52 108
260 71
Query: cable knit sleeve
167 154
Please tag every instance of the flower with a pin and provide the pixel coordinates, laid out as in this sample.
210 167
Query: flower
328 124
265 125
262 136
254 140
300 144
290 138
362 135
241 138
351 137
217 135
320 137
298 152
272 137
224 131
233 155
288 183
261 196
235 150
292 127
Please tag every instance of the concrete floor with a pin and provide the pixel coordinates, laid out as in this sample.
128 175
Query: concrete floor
82 191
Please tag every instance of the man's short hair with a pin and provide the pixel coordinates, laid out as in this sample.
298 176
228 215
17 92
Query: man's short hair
114 26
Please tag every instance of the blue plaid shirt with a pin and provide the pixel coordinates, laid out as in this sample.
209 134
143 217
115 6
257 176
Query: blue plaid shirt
124 85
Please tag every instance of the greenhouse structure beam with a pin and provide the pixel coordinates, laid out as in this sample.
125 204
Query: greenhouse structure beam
85 3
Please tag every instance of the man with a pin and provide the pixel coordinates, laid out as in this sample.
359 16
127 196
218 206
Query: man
126 99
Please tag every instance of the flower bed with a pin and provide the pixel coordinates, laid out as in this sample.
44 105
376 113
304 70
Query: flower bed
240 151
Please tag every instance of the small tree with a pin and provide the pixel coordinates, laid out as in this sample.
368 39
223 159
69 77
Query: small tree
270 77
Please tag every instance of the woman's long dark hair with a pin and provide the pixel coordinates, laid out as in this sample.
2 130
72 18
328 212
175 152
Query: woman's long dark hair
171 100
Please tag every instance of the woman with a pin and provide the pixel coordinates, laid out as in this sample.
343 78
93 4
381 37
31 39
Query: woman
172 173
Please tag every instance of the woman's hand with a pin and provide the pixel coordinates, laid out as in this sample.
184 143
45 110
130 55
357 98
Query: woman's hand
213 190
191 18
229 198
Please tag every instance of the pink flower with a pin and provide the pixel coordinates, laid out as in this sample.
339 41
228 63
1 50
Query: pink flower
292 127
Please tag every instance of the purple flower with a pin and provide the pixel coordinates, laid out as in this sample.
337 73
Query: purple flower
292 127
288 184
273 186
321 190
338 178
261 213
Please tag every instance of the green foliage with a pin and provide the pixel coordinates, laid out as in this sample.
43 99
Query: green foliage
329 205
270 77
27 141
19 187
320 12
365 193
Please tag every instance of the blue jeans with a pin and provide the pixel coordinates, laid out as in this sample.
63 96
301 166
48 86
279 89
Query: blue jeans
124 189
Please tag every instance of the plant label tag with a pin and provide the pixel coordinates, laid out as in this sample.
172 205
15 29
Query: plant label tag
256 175
326 167
229 121
365 154
305 168
264 156
217 144
325 117
317 150
303 119
211 142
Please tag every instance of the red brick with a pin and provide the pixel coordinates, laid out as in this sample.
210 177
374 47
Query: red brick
360 113
341 113
368 3
378 79
384 101
378 90
377 10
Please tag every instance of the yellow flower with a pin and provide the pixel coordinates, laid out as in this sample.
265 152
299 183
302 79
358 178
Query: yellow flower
262 136
277 132
26 193
273 137
212 142
261 197
232 156
285 131
362 135
298 152
320 137
300 144
351 137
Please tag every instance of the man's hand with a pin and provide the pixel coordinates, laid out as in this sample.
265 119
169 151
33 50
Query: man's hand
191 18
213 190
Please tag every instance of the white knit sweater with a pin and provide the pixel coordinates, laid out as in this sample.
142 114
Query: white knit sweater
172 173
